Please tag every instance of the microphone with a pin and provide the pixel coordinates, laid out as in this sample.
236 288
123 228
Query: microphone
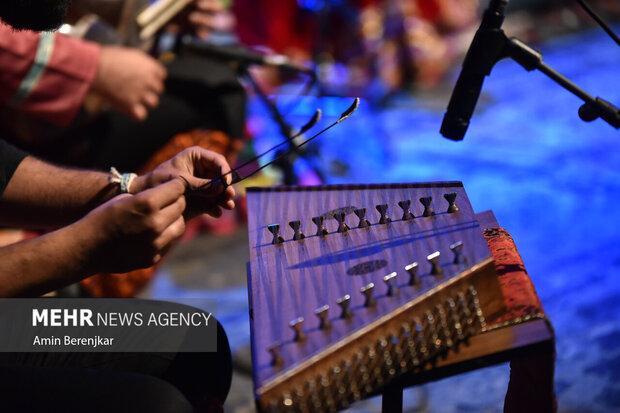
484 52
246 57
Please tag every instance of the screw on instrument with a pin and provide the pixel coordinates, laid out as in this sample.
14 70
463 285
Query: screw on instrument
345 304
412 270
320 226
276 357
451 198
434 260
457 250
385 219
390 282
298 235
427 202
343 228
323 315
275 231
361 214
406 207
297 326
369 299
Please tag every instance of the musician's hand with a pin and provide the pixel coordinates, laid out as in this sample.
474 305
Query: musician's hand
196 167
135 231
130 80
209 16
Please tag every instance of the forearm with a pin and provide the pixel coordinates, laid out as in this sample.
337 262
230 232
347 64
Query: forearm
35 267
41 195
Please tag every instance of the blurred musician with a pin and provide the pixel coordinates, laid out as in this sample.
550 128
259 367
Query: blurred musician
147 107
104 225
82 103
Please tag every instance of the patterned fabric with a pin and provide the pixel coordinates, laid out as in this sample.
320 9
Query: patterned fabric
531 386
519 293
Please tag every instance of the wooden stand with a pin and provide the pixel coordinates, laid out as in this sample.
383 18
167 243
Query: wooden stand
392 399
525 342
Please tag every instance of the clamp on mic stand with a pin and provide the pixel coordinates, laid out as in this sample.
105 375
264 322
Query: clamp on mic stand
499 46
286 162
592 109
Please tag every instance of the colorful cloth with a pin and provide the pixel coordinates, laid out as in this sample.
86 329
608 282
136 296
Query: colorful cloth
45 75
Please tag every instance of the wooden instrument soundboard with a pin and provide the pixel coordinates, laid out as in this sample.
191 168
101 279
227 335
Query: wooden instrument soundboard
353 286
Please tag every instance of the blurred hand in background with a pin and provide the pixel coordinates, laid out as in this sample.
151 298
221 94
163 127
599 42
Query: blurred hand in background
210 16
129 80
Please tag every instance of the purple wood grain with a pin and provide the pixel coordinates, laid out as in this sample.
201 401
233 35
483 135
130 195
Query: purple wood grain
487 219
293 279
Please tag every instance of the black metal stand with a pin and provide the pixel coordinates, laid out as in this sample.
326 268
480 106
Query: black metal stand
286 163
531 59
392 400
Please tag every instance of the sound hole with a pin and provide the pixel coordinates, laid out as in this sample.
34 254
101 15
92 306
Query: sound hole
367 267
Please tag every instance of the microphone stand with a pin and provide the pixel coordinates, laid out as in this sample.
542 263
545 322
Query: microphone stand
285 164
499 46
593 108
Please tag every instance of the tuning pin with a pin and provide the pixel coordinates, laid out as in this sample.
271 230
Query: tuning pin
275 231
368 295
323 315
433 259
297 326
345 303
431 324
457 249
276 357
320 226
406 207
451 198
412 269
342 225
361 214
390 282
296 225
385 219
427 202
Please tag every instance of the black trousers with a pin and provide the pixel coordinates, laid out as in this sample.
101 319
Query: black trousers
116 382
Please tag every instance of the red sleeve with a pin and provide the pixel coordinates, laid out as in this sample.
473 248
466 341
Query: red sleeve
45 75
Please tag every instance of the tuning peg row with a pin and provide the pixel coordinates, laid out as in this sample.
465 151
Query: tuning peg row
363 222
368 291
396 350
